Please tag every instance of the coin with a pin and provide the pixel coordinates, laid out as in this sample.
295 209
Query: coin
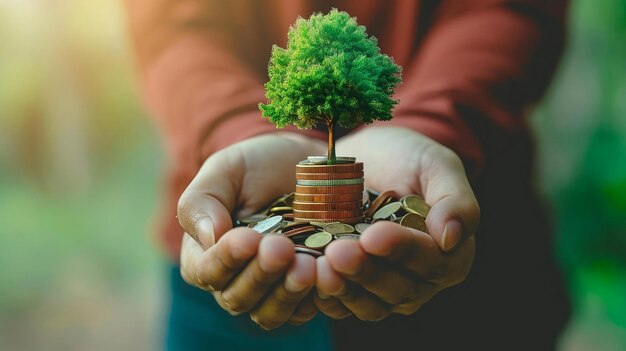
380 201
297 231
336 215
360 227
346 220
318 240
324 168
279 210
324 159
327 198
321 224
330 182
306 250
338 228
293 225
415 204
414 221
387 210
347 236
330 190
268 225
328 176
252 218
331 206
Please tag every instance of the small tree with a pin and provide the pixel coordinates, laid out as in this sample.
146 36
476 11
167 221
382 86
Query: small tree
330 72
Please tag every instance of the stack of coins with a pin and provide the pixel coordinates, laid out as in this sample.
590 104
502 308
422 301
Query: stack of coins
329 193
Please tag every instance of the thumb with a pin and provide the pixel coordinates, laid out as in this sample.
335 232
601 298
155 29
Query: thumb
455 212
204 208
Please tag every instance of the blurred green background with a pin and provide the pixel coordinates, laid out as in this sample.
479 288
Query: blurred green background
80 166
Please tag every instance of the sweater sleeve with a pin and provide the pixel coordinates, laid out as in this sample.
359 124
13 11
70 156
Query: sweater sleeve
200 89
479 68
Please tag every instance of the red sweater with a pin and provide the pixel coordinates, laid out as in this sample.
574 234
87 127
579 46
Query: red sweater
471 70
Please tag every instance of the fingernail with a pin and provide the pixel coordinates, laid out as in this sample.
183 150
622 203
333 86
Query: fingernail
340 291
323 296
205 232
293 286
452 233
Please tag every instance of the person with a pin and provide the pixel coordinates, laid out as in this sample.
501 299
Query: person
472 70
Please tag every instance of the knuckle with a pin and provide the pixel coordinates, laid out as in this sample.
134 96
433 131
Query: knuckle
265 323
285 298
407 309
235 304
373 315
186 276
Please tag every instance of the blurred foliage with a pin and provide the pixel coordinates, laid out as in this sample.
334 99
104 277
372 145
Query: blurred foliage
80 165
581 132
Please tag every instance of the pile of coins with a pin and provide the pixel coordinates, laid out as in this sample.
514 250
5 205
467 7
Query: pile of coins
312 236
329 193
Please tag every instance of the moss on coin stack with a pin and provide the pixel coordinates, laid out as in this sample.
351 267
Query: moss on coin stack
329 193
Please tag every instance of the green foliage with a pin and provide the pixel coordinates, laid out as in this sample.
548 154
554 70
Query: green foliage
331 72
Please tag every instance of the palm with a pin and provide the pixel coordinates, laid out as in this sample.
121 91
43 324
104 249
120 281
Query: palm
393 158
261 169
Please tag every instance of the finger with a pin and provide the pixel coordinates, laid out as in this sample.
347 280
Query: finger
388 283
279 305
455 212
275 255
328 282
305 311
410 307
362 303
214 268
205 206
331 306
417 252
365 305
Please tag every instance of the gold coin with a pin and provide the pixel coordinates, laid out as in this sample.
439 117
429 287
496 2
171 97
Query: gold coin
414 221
387 210
339 228
318 240
336 168
280 210
415 204
380 201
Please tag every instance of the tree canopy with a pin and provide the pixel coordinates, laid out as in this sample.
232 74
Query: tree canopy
330 72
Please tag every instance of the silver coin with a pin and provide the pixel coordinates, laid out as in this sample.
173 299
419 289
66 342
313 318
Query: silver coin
324 159
360 227
330 182
269 225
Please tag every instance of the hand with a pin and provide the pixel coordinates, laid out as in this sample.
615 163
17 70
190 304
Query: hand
392 268
245 271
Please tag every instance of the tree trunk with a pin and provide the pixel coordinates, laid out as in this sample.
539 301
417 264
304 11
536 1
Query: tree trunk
331 143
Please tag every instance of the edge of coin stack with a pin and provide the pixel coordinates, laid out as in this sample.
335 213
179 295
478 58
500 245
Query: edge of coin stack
329 193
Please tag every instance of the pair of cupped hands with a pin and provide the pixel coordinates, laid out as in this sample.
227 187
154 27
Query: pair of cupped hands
390 269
